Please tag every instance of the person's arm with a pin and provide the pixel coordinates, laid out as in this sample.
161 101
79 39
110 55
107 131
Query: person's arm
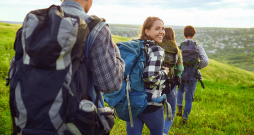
204 61
105 62
153 74
179 66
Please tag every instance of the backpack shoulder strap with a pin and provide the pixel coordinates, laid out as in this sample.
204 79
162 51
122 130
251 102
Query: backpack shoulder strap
18 37
146 46
94 22
181 45
94 26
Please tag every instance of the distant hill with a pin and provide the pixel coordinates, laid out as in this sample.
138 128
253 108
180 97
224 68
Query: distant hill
131 31
11 22
234 46
219 72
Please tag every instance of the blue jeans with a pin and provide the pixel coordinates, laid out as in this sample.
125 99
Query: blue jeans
171 98
189 89
154 121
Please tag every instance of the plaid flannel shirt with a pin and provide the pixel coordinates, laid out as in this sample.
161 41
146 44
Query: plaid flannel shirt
106 64
153 74
204 61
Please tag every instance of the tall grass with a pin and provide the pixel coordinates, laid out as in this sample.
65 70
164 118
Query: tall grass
7 37
225 106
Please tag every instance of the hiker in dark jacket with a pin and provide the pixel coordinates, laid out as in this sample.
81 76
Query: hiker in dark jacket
189 87
169 44
154 76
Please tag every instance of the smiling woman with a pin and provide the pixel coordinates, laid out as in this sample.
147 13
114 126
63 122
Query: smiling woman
154 76
156 32
153 29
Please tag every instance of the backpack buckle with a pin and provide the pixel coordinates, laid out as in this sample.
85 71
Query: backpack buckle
7 81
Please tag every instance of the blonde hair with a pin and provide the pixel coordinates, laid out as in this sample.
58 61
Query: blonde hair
147 25
170 36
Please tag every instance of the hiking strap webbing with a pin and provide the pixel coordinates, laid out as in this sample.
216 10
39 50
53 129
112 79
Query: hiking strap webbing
154 88
136 59
166 106
128 88
192 96
94 22
202 84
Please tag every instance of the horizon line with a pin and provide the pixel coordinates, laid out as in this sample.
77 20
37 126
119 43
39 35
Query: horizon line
167 25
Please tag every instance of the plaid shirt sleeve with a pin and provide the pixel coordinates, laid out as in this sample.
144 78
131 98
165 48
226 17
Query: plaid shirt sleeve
153 74
105 62
204 61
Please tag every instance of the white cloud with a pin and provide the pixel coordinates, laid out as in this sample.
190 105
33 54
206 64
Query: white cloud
16 10
135 12
30 2
195 17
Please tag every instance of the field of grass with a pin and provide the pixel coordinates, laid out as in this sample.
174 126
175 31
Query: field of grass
225 106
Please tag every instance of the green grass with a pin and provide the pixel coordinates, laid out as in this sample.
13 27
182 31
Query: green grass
7 37
119 39
225 106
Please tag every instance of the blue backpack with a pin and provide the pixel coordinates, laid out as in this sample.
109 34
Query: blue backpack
131 99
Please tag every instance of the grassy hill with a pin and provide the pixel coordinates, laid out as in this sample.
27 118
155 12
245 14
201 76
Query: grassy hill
225 106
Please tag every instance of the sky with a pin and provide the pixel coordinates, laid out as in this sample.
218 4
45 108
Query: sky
198 13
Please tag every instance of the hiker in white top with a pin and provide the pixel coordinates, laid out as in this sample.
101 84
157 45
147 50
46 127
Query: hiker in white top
192 61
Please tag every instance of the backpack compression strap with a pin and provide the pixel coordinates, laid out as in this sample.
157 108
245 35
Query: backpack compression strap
167 107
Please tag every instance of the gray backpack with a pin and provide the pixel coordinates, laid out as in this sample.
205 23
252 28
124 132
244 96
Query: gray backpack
49 77
190 62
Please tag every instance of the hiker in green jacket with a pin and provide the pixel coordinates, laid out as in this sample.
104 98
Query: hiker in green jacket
173 60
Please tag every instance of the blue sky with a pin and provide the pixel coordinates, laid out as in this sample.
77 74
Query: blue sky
199 13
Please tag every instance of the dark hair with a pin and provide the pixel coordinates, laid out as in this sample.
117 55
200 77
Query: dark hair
189 31
147 25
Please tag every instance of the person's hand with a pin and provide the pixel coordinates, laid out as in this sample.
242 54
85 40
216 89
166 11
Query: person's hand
103 19
166 68
115 45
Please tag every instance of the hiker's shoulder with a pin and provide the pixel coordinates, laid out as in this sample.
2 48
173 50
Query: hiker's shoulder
156 50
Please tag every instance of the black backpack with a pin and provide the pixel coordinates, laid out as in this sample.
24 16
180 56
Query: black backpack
48 77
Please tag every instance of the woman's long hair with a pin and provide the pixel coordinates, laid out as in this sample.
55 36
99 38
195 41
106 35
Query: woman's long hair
147 25
170 36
